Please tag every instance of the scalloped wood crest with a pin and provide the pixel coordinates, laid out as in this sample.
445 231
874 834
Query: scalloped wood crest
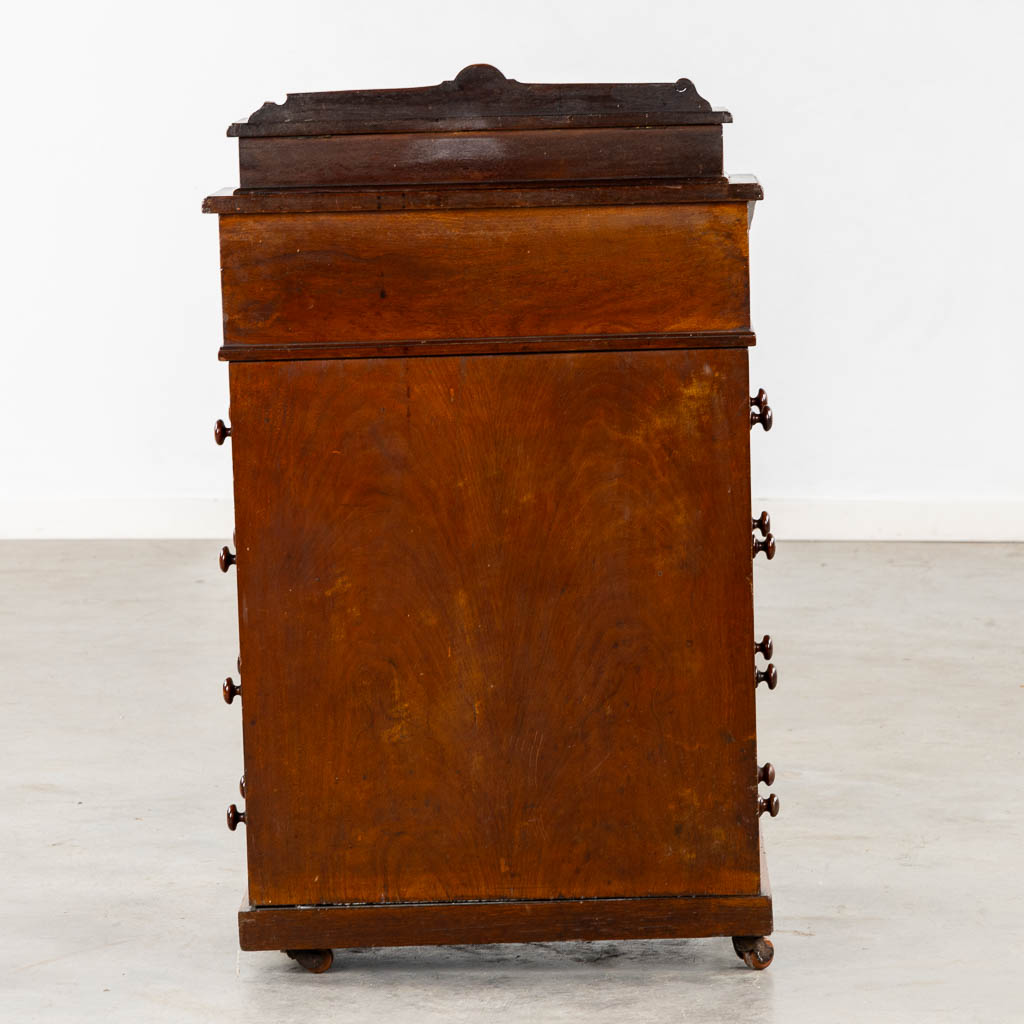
481 98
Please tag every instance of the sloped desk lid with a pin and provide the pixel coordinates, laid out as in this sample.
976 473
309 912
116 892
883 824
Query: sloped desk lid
481 98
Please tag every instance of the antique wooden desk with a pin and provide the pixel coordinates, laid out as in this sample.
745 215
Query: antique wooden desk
490 428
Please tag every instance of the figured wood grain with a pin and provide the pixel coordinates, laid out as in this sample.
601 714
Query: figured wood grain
505 156
484 273
496 625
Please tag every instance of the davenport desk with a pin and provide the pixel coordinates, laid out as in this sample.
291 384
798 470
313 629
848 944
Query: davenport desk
490 425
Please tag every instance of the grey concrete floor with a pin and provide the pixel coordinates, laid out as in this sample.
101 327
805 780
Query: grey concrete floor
896 864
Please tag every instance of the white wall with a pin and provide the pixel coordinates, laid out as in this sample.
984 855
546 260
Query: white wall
886 259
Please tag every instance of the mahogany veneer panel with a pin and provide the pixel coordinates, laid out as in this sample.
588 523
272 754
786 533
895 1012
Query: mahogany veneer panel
496 626
484 273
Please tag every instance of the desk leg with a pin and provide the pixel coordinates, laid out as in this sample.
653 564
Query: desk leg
754 950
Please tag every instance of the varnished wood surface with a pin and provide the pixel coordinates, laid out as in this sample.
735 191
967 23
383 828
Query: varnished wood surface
496 625
507 156
487 346
484 273
736 188
481 98
539 921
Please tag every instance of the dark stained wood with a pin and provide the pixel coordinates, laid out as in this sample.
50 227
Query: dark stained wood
760 411
316 961
484 273
486 346
738 187
490 425
500 627
755 951
481 98
483 128
521 156
535 921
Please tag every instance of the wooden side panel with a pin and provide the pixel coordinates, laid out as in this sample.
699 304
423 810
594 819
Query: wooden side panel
692 151
484 273
496 627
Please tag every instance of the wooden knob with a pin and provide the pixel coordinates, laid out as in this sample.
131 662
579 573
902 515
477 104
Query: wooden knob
763 523
760 411
234 817
241 786
765 648
221 432
238 663
230 690
227 559
771 805
765 774
768 675
767 545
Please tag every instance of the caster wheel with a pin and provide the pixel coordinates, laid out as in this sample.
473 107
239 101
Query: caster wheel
755 951
316 961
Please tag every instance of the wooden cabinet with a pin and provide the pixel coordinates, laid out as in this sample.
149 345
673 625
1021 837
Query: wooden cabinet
490 428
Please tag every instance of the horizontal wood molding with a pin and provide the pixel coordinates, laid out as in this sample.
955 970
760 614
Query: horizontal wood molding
484 346
738 188
428 924
694 151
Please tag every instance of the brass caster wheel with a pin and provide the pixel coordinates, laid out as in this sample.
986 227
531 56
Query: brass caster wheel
316 961
755 951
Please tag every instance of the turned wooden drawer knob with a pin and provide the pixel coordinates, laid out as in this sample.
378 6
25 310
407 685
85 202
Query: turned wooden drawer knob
768 675
231 690
765 648
763 523
234 817
766 544
227 559
760 411
241 786
769 804
221 432
766 773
